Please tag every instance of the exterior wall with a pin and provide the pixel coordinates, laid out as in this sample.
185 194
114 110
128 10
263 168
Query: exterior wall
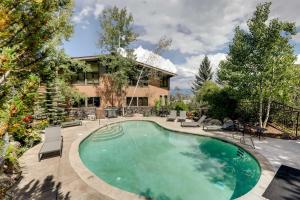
152 92
102 89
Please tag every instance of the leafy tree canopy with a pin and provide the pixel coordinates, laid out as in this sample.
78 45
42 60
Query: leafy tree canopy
117 30
260 60
30 32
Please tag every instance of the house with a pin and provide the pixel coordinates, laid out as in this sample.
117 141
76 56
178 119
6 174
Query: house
95 86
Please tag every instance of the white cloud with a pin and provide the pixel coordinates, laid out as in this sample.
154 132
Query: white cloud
98 10
80 17
197 27
187 71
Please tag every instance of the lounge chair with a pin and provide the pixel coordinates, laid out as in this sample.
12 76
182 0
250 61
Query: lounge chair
213 125
182 116
53 142
194 124
72 123
172 115
217 125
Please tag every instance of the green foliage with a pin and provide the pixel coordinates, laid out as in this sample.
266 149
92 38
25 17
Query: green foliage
260 60
208 88
41 124
29 35
222 103
204 74
118 69
10 159
178 105
117 29
157 105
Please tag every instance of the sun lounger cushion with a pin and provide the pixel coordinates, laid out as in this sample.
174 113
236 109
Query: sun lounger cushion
194 124
212 127
51 147
53 133
190 124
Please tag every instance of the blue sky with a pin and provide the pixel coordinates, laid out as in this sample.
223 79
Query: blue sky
197 28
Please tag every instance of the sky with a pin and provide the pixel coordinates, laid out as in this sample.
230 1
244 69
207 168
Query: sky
196 27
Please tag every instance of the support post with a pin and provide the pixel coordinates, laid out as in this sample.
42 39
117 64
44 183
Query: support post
297 124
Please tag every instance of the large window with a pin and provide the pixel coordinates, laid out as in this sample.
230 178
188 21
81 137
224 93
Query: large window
93 101
137 101
79 78
164 81
92 77
81 103
143 101
143 81
133 103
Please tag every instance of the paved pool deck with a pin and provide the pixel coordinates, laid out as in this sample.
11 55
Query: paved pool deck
55 177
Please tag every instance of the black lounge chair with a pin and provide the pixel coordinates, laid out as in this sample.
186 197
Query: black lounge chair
53 142
194 124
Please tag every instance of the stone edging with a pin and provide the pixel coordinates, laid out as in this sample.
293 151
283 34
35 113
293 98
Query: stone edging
267 172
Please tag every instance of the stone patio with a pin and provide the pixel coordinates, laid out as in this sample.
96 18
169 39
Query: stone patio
55 178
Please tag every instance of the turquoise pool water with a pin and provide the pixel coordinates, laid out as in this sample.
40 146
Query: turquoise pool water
144 158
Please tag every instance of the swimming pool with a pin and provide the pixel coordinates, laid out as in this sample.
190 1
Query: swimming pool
146 159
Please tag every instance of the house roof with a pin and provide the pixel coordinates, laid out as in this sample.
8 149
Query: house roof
95 58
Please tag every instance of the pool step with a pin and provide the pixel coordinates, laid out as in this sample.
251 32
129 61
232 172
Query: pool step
108 133
240 153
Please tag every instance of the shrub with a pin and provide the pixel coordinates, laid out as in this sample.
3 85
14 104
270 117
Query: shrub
222 103
180 105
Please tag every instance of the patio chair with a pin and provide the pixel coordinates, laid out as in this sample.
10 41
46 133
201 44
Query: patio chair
53 142
182 116
194 124
172 115
71 123
213 125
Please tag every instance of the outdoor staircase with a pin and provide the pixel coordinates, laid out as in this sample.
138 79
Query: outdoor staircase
108 133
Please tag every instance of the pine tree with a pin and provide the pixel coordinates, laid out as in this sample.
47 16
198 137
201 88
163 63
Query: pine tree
204 74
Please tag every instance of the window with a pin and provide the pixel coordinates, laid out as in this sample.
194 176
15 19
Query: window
143 81
93 101
81 103
92 77
79 78
133 103
137 101
143 101
164 81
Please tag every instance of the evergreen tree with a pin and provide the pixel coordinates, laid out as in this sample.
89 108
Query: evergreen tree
204 74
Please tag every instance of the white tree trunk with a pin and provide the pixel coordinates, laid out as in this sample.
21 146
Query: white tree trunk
3 78
260 112
267 112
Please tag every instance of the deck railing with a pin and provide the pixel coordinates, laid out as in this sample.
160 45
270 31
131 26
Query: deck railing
282 116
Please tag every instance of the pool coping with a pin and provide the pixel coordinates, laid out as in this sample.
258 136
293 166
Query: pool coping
267 172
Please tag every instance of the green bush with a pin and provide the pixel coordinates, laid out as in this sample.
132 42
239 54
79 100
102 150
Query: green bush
180 105
222 103
11 159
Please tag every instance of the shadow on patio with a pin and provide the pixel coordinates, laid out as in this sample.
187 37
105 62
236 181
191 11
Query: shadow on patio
35 189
